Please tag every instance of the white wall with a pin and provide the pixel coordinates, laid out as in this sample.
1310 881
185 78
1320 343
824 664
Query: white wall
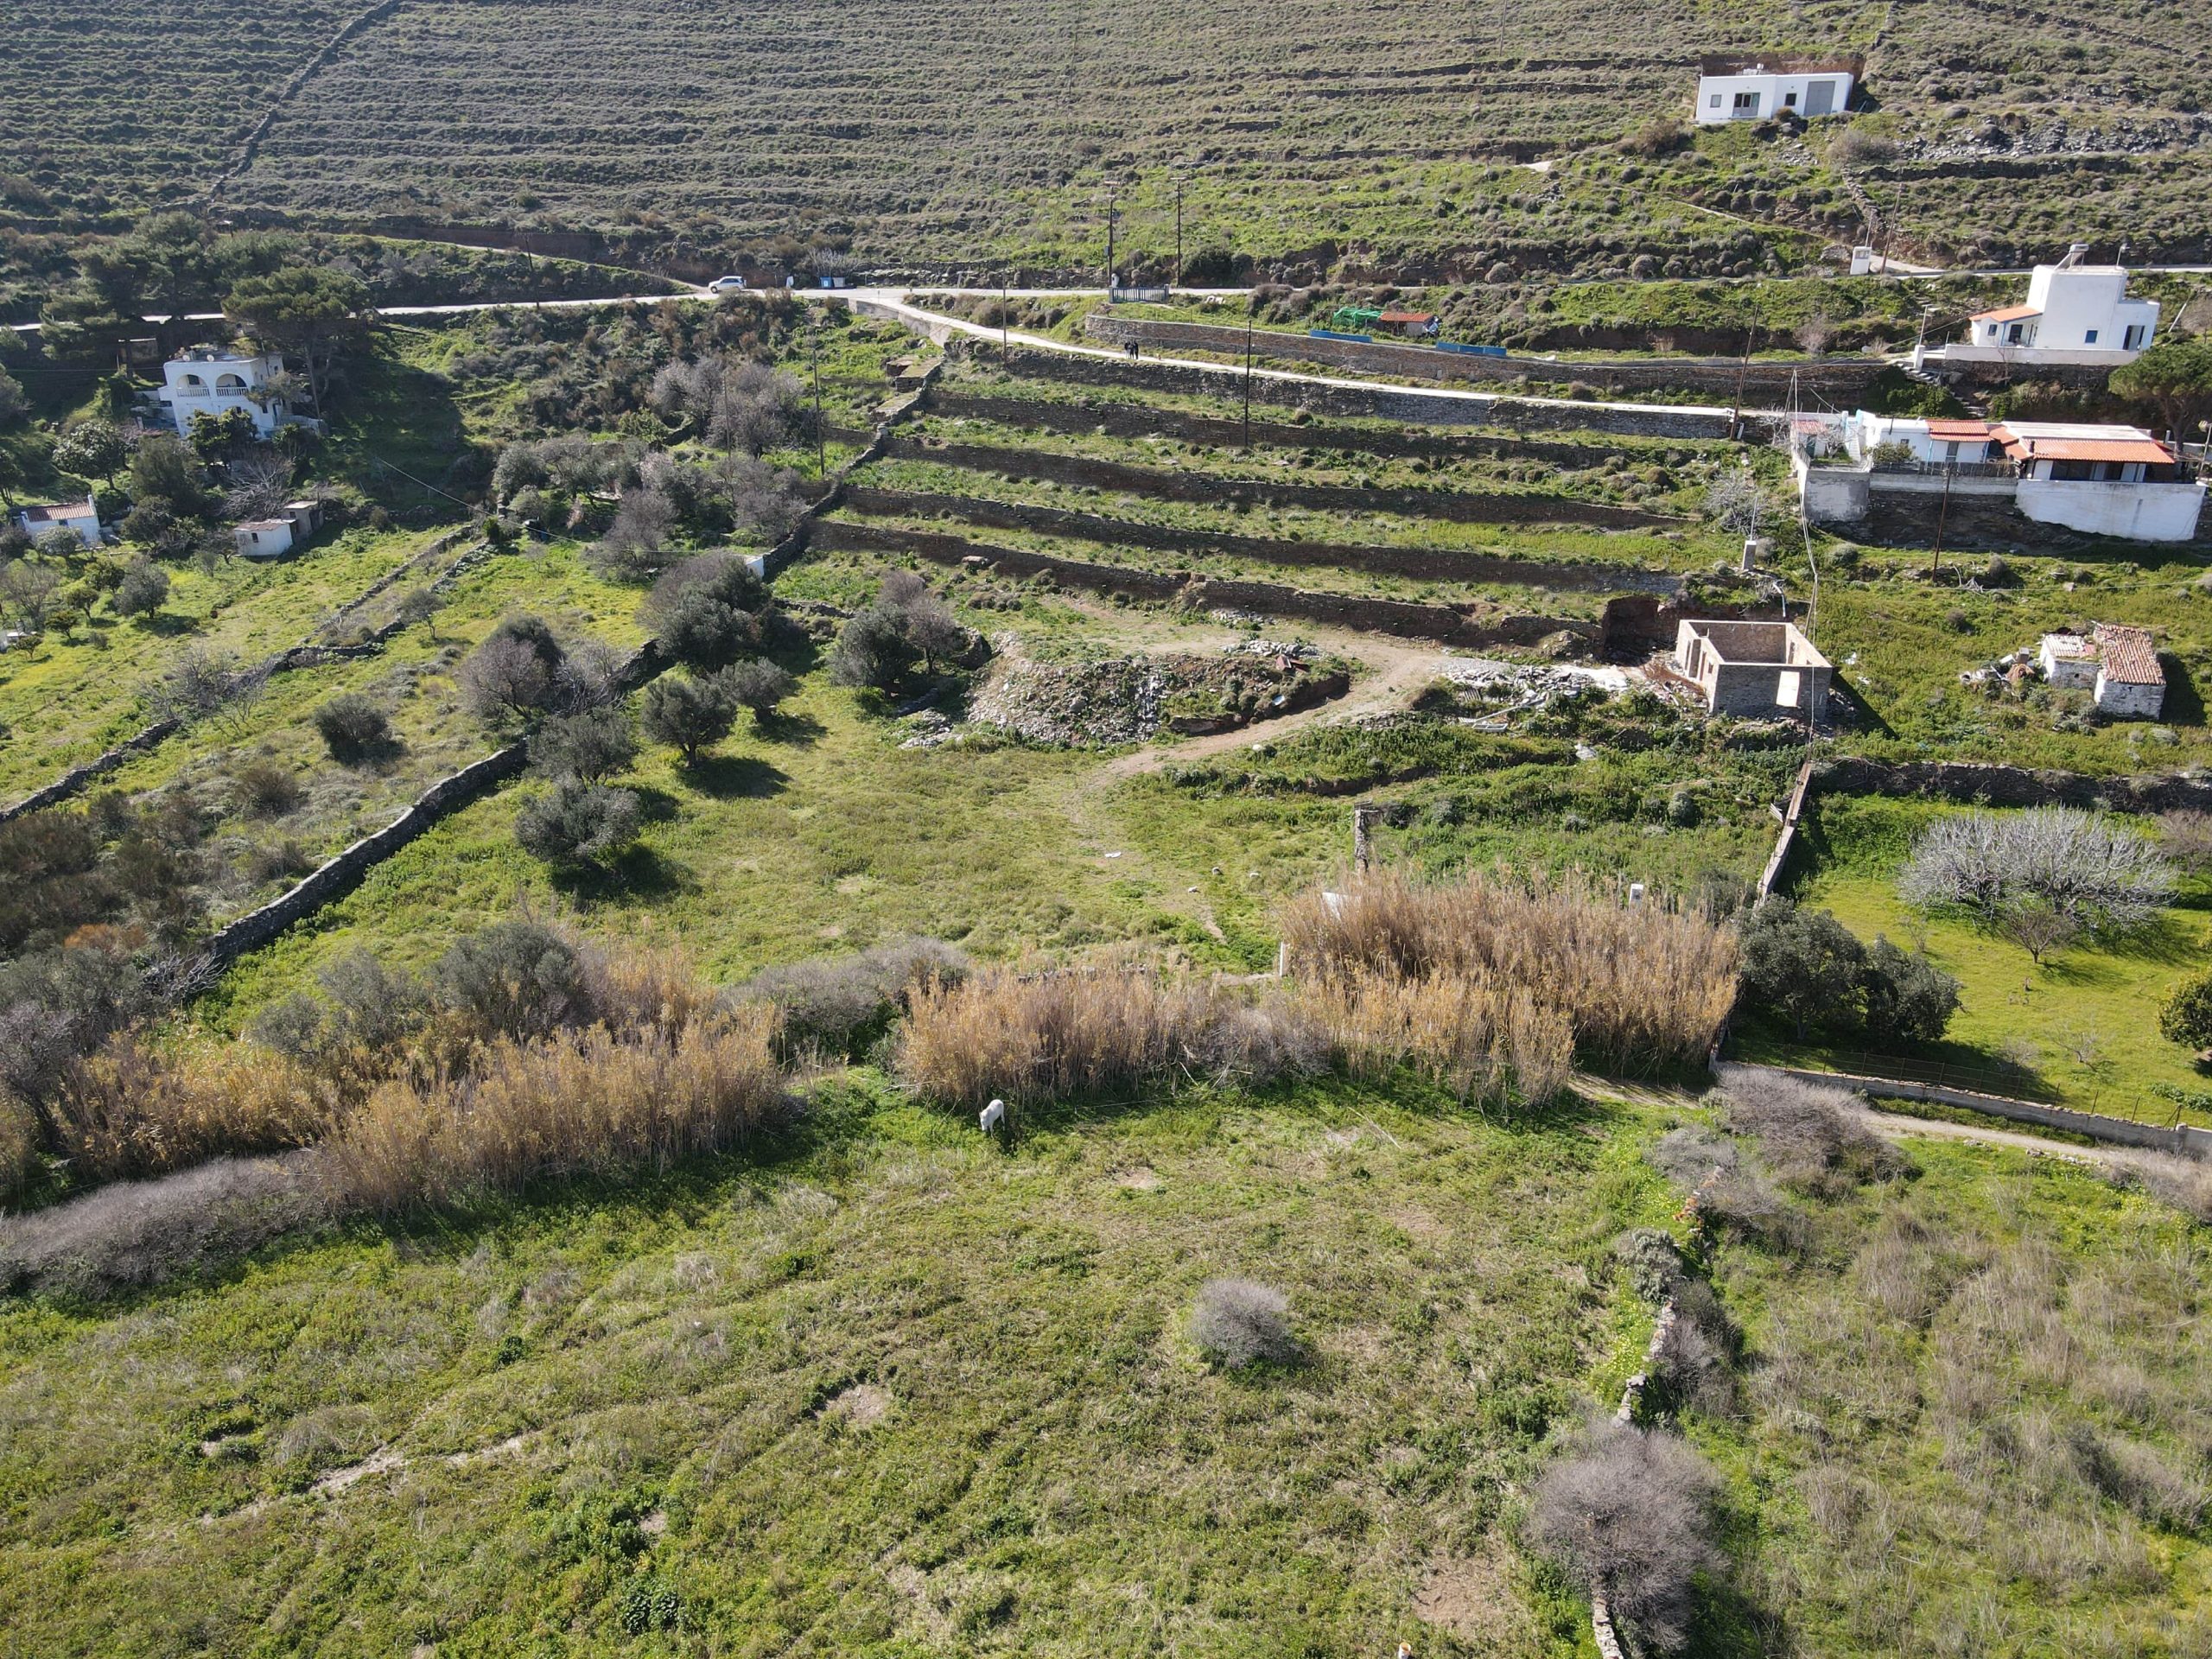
2131 700
193 386
1773 91
2137 512
264 541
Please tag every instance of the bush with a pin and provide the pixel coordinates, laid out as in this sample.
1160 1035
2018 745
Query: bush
690 714
1908 999
2186 1017
760 685
1239 1322
709 612
142 591
1653 1260
1484 1041
514 979
872 649
578 823
353 728
1805 967
840 1006
1630 1515
131 1110
589 748
19 1147
266 790
1722 1187
136 1234
521 670
1810 1135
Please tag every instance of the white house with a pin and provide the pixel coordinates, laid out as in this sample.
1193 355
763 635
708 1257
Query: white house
264 538
2118 666
212 380
79 516
2075 313
1760 87
2102 481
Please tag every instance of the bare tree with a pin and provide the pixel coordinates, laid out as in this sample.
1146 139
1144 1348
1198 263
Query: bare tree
2187 837
257 483
1739 502
505 678
2038 928
2106 879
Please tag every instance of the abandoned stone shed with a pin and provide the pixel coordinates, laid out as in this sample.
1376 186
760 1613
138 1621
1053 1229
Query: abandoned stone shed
1754 670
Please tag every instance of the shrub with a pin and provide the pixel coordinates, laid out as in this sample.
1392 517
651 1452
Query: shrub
1630 1513
584 1102
1804 966
1907 998
576 823
872 649
19 1147
353 728
1810 1135
1653 1260
760 685
369 1011
1722 1187
708 612
58 1005
142 591
2186 1017
589 748
1239 1322
266 790
2183 1184
690 714
520 672
514 979
840 1006
1640 988
141 1233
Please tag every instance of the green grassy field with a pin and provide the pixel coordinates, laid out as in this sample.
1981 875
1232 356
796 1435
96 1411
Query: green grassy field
2083 1026
1941 1389
887 1391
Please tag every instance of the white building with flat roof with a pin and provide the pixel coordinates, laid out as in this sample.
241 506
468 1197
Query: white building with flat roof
2075 312
214 380
1760 87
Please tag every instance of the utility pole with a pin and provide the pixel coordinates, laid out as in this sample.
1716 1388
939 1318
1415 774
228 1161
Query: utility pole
1943 516
1110 210
1004 350
1178 277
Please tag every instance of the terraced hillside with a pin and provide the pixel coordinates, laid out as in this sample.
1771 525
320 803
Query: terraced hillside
959 131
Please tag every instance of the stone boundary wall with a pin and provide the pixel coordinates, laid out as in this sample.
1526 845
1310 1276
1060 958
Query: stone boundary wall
1407 404
78 778
251 146
1839 379
1393 617
2184 1140
1083 472
1976 782
1148 420
1420 564
384 583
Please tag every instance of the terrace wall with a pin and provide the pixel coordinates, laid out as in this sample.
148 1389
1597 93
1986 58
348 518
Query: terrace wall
1420 564
1082 472
1408 404
1838 378
1439 622
1975 782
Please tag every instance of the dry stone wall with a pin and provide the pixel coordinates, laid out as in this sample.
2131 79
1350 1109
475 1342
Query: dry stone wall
1082 472
1438 622
1419 563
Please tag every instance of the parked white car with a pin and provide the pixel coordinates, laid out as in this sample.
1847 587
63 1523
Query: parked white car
725 284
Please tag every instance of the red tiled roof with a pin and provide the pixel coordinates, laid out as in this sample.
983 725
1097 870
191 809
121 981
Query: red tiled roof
2009 313
2149 451
1407 316
56 512
2127 657
1958 432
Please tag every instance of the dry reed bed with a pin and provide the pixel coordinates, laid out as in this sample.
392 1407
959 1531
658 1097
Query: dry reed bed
1644 988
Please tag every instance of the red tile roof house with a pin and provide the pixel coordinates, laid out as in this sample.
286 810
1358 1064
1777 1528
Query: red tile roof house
2117 665
79 516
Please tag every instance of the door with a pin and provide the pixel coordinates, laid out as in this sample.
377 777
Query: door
1820 97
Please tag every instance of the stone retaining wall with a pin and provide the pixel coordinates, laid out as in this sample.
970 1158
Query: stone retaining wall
1838 378
1082 472
1419 563
1977 782
1408 404
1405 620
1148 420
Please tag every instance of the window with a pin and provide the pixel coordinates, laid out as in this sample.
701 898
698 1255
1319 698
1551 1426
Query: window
2089 339
1747 104
1790 100
1715 104
2073 472
2013 334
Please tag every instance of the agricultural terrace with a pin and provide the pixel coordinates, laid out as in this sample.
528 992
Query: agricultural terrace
970 136
2079 1028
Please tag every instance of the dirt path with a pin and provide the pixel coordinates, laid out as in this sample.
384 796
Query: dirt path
1395 672
1896 1126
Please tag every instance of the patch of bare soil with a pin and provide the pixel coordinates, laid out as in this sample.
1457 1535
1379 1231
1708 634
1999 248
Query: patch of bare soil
862 1406
1473 1598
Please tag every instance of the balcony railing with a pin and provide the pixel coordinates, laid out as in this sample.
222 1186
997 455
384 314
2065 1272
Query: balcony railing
1954 468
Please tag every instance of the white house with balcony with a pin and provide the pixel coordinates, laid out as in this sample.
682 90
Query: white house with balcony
2076 314
214 380
2100 481
1761 87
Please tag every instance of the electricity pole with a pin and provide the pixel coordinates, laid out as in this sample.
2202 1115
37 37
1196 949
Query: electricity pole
1250 299
1002 323
1178 277
1110 279
821 439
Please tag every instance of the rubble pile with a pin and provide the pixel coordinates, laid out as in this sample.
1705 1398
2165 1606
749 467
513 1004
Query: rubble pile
1130 699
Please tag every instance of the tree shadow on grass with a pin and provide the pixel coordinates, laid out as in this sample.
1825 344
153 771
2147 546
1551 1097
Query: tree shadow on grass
2184 703
800 731
736 777
169 625
638 873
